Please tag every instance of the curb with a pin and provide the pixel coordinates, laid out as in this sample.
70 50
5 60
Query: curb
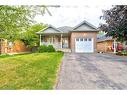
58 74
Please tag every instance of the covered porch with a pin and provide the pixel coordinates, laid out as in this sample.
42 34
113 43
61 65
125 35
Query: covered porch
60 41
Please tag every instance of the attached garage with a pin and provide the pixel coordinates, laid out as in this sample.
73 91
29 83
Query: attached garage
83 38
84 45
83 42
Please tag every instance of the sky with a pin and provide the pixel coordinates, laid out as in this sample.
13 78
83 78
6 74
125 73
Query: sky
71 15
71 12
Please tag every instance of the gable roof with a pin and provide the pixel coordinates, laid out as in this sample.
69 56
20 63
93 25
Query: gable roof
101 38
65 29
85 26
49 29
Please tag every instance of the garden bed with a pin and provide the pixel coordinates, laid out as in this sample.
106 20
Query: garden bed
122 53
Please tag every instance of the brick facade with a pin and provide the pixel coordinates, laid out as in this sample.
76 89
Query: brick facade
84 35
104 46
18 47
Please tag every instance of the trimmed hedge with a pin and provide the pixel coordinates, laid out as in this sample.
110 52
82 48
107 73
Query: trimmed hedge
44 48
50 48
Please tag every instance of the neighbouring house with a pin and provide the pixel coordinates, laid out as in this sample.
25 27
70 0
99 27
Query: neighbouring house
104 44
18 47
108 44
80 39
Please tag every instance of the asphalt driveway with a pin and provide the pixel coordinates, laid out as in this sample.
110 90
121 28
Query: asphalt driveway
93 71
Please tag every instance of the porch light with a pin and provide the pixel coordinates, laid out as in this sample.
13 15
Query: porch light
84 34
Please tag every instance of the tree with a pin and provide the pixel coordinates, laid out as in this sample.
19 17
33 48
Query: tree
13 20
101 33
16 19
116 22
29 37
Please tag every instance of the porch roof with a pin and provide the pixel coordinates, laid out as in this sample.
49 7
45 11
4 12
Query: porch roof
55 34
65 29
50 30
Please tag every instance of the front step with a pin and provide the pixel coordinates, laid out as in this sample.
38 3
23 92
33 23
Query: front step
65 50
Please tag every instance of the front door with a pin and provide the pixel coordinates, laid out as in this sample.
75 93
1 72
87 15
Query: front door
65 43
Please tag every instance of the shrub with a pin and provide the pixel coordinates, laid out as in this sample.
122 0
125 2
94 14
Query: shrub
50 48
60 52
119 53
119 47
42 48
124 52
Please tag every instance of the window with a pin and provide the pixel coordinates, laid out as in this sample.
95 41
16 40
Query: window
49 40
77 39
43 39
81 39
85 39
54 39
89 39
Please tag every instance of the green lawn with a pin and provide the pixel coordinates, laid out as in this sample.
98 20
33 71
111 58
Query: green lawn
29 71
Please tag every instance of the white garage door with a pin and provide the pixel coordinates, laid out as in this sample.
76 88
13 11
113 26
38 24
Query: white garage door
84 45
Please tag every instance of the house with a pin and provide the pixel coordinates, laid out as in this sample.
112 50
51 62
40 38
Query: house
104 44
79 39
109 44
18 47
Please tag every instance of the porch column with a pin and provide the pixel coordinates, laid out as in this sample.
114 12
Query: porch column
52 39
40 39
61 40
114 46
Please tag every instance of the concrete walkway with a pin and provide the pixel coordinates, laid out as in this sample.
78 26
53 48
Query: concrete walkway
93 71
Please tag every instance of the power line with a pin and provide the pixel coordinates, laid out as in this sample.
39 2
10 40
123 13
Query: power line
65 6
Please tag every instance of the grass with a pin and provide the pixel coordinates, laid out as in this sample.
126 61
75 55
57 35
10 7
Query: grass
29 71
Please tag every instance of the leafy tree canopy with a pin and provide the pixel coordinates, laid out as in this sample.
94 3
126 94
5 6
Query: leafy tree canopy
29 37
13 19
101 33
116 22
